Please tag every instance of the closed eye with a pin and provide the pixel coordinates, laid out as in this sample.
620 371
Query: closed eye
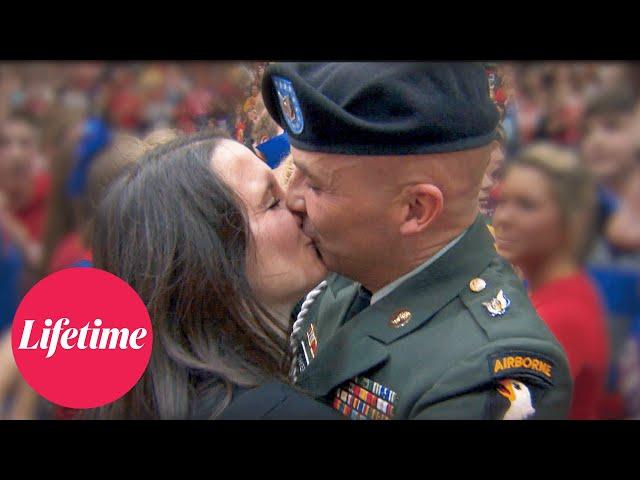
275 204
313 187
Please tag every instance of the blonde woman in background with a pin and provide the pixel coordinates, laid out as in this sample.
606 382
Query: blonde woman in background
543 211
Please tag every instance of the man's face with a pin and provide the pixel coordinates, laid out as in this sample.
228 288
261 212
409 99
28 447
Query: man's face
346 207
608 146
491 179
17 138
16 178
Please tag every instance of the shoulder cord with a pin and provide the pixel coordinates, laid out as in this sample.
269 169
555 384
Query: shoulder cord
297 325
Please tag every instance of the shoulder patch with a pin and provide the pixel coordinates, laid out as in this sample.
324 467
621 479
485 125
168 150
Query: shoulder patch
511 400
514 363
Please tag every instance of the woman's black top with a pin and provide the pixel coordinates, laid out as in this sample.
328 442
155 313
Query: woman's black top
272 401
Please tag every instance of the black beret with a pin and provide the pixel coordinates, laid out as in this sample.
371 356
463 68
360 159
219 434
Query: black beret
381 108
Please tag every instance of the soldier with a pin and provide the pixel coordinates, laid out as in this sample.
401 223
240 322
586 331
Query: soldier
421 319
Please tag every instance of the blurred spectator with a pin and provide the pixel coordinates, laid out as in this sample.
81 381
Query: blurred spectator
250 103
25 187
158 112
125 107
22 178
623 229
629 372
610 153
19 136
542 214
532 100
62 218
565 108
264 129
10 276
72 245
239 125
79 81
492 176
259 75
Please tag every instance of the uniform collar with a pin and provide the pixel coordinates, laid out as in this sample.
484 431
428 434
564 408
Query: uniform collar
425 293
387 289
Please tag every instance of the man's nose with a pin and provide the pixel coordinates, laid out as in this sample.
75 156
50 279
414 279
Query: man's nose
295 197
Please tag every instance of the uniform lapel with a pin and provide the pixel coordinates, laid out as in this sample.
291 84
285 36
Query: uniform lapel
342 352
332 309
347 354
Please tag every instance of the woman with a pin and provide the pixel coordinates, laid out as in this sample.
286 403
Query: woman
492 174
543 210
199 229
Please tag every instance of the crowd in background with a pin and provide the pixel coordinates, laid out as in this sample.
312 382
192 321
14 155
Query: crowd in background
52 116
564 203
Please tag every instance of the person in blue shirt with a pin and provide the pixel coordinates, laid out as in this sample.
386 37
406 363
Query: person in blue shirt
610 153
11 265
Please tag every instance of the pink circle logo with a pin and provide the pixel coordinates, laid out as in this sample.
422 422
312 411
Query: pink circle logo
81 338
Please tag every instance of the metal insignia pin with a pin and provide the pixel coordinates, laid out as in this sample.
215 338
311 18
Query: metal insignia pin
477 285
498 305
400 319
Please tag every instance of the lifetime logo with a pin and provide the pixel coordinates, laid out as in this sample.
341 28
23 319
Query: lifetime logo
100 339
82 338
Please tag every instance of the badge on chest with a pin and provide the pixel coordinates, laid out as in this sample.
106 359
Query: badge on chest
363 399
308 348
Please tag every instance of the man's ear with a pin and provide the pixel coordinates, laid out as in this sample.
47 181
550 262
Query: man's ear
422 204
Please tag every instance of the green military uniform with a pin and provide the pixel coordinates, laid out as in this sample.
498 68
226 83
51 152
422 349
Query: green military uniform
449 357
458 338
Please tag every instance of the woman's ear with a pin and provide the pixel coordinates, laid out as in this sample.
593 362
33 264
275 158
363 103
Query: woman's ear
422 204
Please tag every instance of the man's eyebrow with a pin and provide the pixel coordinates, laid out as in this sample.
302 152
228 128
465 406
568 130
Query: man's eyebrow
306 171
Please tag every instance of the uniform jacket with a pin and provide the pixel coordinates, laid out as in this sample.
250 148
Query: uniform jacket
439 346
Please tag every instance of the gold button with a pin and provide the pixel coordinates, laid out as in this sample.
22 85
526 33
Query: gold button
477 285
400 319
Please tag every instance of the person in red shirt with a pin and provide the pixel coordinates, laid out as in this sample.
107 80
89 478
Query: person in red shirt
24 188
544 209
25 185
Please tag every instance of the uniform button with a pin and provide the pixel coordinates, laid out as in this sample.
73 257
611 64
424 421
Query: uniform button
477 285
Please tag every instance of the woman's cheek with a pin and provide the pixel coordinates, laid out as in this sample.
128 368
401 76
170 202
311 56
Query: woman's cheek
286 230
277 234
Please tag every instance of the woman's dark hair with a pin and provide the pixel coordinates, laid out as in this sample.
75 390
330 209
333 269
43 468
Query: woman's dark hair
179 236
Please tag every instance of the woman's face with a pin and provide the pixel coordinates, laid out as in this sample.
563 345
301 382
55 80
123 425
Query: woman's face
285 264
491 179
527 222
